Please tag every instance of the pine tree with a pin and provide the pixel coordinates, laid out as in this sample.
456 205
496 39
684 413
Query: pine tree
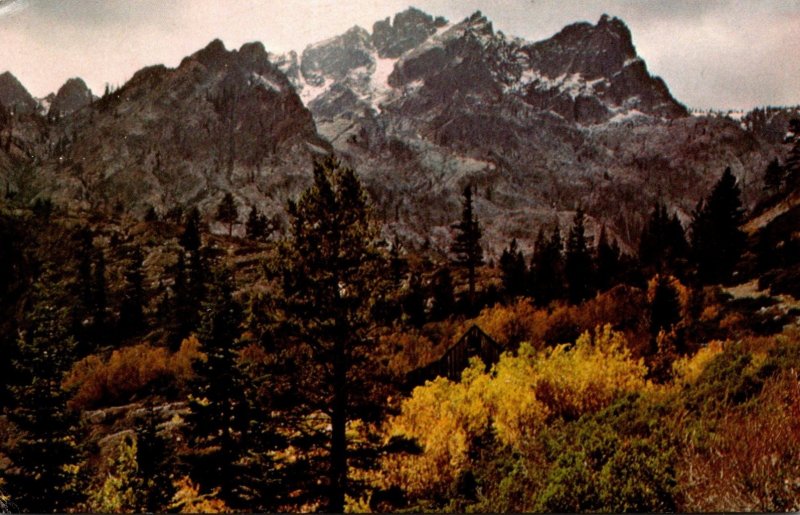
607 262
663 246
665 308
131 311
513 270
792 164
190 238
256 225
466 247
227 212
578 261
717 240
443 292
45 456
154 460
216 427
332 274
414 301
774 176
547 268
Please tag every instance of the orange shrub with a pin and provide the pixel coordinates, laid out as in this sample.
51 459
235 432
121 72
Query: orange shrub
97 382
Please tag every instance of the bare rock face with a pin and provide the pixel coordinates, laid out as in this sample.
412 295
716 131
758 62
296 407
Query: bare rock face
222 121
14 97
73 96
422 107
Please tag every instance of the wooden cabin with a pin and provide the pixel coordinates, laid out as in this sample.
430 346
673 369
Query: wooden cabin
473 343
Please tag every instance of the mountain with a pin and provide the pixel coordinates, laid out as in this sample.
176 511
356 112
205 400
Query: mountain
14 97
72 96
423 107
223 120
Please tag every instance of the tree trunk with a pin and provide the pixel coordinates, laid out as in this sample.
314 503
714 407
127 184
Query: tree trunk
338 470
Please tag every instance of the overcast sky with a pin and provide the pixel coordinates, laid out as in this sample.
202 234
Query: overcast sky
712 54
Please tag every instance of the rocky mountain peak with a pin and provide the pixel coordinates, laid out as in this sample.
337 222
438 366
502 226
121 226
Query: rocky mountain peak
72 96
410 28
14 97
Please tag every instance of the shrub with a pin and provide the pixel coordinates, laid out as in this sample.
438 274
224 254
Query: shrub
98 382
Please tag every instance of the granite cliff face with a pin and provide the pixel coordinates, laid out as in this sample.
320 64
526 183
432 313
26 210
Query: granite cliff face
419 106
423 107
221 121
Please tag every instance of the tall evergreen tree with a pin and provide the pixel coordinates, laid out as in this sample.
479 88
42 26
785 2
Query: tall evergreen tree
792 164
256 225
663 246
414 301
466 247
442 290
45 456
216 427
513 270
578 261
547 268
190 238
607 262
131 311
717 240
774 177
227 213
665 307
155 462
332 275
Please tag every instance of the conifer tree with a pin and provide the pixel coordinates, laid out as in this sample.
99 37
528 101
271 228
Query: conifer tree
443 294
256 225
717 240
547 268
45 456
665 308
155 464
131 311
607 262
466 247
414 301
663 246
332 274
190 238
578 261
792 164
227 212
513 270
774 177
216 427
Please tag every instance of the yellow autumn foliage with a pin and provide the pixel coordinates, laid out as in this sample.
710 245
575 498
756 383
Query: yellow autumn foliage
688 368
515 399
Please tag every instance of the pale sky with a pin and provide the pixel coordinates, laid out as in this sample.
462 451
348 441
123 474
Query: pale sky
733 54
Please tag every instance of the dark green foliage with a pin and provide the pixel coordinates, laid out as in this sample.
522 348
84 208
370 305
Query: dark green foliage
662 245
331 275
578 261
40 479
131 311
155 461
717 240
227 213
217 425
792 165
513 270
190 238
442 290
607 262
414 301
466 247
257 226
547 268
665 309
774 176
